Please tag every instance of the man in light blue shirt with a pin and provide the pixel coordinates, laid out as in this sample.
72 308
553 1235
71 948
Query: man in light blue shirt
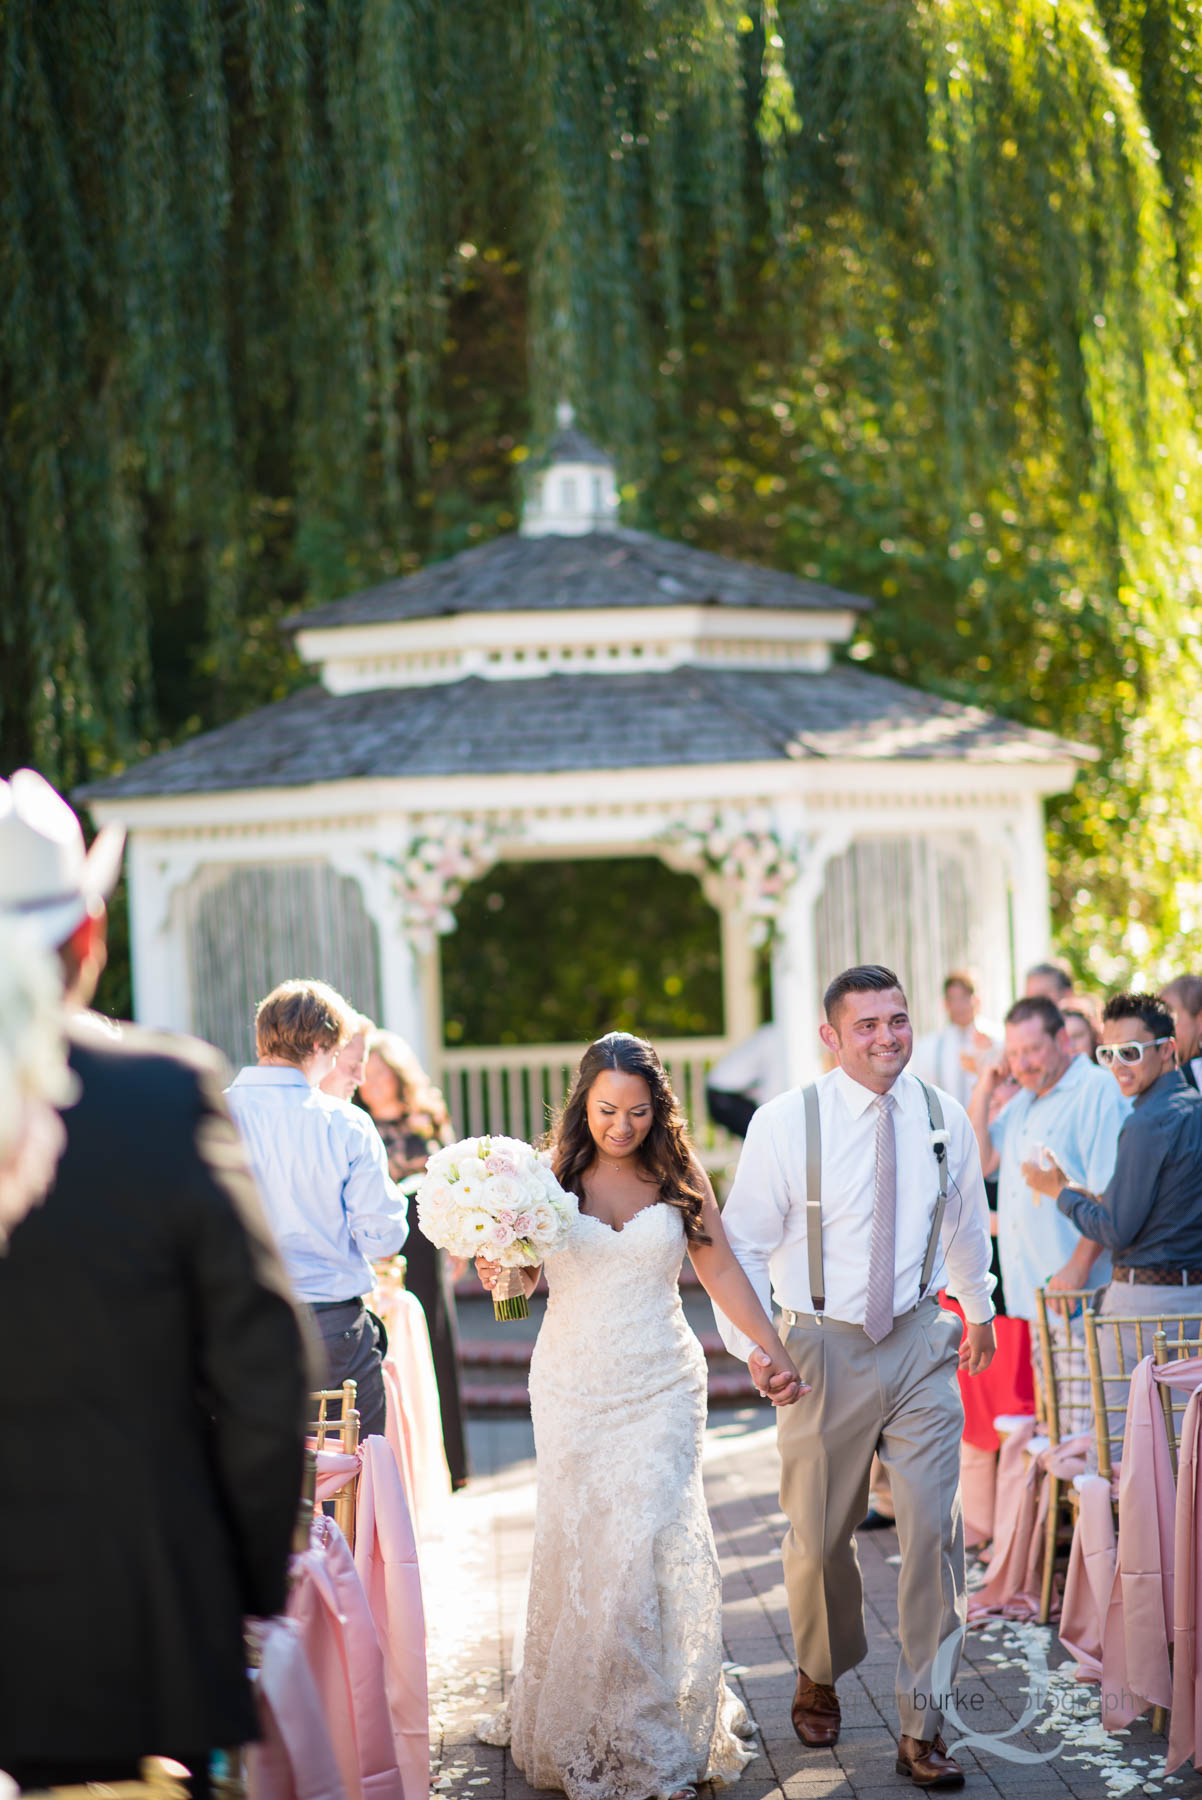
1067 1108
322 1170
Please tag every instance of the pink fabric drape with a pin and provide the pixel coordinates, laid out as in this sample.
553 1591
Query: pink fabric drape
338 1635
386 1559
334 1470
1185 1726
1013 1578
1139 1620
1090 1578
978 1483
414 1420
294 1759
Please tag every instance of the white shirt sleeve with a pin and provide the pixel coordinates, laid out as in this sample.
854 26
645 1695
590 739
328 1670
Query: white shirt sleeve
965 1239
754 1220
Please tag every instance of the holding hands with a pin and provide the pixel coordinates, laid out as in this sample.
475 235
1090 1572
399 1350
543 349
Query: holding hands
776 1378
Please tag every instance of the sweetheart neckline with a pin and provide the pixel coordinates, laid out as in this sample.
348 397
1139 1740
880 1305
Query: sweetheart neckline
617 1230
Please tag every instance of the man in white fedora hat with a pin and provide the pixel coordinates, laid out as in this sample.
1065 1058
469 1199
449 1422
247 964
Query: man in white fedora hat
50 883
152 1379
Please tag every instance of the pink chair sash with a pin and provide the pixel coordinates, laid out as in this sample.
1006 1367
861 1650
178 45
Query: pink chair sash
1185 1726
414 1419
978 1482
338 1635
1090 1577
294 1759
386 1559
1013 1578
334 1470
1139 1619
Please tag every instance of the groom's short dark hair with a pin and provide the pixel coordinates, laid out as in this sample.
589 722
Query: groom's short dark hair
869 978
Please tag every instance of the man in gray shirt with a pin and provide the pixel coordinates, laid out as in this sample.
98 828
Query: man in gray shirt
1150 1215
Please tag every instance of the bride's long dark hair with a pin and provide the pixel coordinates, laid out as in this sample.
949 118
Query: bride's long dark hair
665 1155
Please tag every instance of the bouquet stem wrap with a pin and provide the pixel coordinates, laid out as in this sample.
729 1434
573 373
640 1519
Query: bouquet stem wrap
509 1296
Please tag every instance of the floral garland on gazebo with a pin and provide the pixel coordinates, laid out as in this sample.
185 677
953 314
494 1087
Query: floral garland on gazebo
436 865
749 853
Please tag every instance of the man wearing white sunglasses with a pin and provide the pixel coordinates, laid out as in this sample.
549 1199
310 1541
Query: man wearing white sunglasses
1150 1215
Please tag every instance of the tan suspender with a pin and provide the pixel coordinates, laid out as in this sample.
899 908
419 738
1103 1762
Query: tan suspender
814 1193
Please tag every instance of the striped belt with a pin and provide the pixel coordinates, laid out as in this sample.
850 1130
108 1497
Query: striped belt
1161 1277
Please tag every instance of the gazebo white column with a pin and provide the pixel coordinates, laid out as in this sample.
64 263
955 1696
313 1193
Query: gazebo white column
796 995
1030 891
402 999
161 988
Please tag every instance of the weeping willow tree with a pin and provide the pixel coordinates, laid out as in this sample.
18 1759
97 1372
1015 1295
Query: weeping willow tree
903 294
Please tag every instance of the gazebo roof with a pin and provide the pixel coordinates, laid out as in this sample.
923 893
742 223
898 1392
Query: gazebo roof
557 722
597 570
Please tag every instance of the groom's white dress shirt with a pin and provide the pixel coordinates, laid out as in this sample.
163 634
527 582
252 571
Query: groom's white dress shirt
765 1214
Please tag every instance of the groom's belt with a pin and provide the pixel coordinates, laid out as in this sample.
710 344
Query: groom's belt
789 1318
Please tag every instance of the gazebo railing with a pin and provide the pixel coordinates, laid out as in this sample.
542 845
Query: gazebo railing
516 1089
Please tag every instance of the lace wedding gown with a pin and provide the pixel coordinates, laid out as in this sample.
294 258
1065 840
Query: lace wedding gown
620 1694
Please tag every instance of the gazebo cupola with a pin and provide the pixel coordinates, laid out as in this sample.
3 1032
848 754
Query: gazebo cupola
574 491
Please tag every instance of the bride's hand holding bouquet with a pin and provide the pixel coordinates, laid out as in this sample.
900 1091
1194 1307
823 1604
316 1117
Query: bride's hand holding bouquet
496 1199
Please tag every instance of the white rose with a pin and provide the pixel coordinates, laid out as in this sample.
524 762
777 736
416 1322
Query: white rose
504 1193
543 1222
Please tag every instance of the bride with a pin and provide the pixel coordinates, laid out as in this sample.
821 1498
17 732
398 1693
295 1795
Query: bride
620 1695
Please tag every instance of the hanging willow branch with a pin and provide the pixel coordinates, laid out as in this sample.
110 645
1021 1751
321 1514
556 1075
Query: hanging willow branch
904 293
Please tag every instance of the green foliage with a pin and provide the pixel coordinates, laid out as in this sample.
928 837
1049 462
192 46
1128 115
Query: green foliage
903 294
634 946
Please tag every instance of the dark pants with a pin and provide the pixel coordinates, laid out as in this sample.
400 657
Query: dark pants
31 1777
731 1110
352 1342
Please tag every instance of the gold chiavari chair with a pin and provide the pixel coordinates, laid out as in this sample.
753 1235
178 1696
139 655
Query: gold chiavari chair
341 1433
1063 1407
1113 1347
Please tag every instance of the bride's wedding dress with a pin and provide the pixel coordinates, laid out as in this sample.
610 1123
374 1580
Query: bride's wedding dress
620 1694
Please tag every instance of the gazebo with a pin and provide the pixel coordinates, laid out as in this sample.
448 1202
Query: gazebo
580 690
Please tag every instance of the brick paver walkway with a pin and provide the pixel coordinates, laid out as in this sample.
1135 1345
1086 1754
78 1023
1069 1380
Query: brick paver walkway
476 1577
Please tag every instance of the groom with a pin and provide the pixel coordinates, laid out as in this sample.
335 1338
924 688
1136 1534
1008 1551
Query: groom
836 1207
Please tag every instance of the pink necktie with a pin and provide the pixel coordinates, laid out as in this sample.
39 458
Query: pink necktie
878 1305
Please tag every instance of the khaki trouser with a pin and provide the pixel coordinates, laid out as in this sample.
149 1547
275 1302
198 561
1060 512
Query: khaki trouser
901 1399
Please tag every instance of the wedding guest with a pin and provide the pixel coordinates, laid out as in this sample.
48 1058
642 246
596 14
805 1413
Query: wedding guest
854 1202
1184 1000
1150 1212
748 1074
951 1057
1066 1109
323 1173
1083 1033
343 1080
1049 980
411 1116
153 1401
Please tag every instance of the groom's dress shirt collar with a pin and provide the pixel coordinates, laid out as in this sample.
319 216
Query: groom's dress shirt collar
765 1215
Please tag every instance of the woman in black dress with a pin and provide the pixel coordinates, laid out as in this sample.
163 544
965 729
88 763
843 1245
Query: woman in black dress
411 1116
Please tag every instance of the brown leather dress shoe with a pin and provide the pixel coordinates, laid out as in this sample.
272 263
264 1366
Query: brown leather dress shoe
927 1763
816 1714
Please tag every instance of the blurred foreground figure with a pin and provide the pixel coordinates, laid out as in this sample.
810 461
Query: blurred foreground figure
152 1381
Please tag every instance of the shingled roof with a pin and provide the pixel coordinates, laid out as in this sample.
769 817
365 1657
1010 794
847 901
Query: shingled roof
601 569
564 722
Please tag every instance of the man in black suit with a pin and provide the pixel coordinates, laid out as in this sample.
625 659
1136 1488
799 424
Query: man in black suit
152 1381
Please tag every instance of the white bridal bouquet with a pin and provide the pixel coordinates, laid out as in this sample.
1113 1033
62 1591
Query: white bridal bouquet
495 1197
